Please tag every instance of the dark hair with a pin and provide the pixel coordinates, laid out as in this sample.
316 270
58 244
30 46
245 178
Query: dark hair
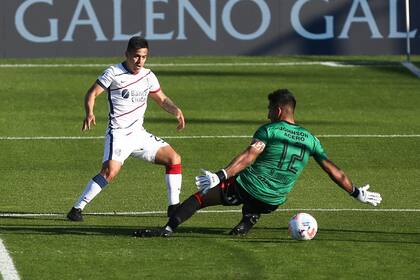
282 97
137 42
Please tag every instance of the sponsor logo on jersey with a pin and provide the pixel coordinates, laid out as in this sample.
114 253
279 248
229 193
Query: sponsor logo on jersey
138 96
125 93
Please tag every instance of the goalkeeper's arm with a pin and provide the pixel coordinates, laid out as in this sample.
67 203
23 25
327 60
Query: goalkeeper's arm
337 175
341 179
209 179
244 159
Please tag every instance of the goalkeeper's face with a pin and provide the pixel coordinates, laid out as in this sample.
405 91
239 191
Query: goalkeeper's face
136 59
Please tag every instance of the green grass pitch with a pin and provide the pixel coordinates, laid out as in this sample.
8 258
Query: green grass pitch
367 115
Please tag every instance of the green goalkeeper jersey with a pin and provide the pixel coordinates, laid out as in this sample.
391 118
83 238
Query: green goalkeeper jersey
287 150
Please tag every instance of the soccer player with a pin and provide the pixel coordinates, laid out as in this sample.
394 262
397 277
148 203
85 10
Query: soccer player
261 177
129 85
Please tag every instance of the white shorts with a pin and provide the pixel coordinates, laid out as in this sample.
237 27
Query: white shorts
120 144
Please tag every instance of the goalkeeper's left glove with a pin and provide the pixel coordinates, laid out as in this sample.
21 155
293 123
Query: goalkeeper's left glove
363 195
209 180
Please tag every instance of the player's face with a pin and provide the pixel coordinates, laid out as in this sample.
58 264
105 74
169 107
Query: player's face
136 59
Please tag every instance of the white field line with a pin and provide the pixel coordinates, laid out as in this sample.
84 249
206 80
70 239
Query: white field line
7 268
216 64
145 213
208 136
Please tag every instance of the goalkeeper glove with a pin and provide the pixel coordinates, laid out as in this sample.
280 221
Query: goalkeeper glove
363 195
209 180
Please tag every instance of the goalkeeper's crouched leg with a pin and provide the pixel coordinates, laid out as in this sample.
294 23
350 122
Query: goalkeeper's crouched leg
194 203
184 211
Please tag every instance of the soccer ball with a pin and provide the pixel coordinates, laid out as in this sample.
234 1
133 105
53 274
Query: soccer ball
302 226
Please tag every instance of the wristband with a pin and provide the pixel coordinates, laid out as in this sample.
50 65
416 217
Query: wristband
221 174
355 192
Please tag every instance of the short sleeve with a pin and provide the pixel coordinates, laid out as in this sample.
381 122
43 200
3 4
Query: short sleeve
106 79
319 152
154 85
261 134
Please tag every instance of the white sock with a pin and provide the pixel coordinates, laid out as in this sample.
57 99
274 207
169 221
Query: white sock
92 189
173 187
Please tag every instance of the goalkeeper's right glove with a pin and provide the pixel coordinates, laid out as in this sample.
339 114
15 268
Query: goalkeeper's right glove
209 180
363 195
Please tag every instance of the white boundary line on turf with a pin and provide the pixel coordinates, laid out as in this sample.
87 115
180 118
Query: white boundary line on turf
7 268
144 213
323 63
208 136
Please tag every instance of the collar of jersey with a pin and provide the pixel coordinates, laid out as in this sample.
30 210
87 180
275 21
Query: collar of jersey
124 64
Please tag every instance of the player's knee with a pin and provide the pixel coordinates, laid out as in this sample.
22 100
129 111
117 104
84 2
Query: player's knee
167 156
109 173
175 159
173 165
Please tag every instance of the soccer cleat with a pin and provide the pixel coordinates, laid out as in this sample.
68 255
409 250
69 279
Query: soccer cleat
247 222
145 232
75 215
171 209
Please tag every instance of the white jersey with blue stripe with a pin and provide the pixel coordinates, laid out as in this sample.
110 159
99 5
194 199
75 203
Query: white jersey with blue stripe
127 95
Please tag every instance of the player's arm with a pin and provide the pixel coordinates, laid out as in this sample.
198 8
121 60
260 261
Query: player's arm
336 174
169 106
90 97
209 180
342 180
244 159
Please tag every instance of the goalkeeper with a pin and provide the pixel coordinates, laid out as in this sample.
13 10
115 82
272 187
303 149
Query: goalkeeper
261 177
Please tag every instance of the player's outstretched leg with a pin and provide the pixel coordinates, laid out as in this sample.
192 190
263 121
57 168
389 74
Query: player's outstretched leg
182 213
244 226
93 188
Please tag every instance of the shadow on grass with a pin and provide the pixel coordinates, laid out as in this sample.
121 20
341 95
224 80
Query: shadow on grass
67 230
346 235
57 224
257 235
79 229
